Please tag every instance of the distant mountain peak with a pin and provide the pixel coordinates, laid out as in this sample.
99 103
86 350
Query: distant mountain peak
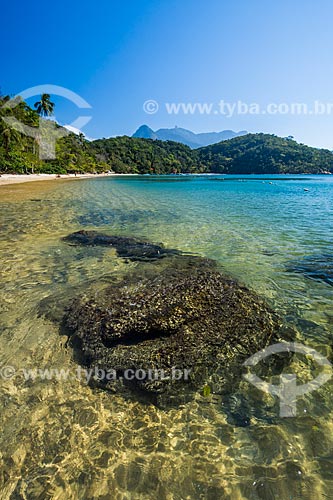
145 132
184 136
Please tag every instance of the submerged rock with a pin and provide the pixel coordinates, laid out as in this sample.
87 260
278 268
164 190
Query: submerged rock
131 248
173 324
316 267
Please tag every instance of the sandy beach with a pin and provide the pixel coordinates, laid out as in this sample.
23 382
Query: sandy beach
6 179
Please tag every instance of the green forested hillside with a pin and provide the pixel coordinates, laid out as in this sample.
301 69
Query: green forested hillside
20 153
248 154
264 154
135 155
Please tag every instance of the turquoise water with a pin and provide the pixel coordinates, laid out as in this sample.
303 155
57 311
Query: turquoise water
62 439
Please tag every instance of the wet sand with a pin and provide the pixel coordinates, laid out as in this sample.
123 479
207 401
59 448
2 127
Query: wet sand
6 179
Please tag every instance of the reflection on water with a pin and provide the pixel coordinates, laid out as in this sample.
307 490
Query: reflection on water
63 440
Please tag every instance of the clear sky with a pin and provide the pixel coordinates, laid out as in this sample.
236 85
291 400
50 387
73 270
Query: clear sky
118 54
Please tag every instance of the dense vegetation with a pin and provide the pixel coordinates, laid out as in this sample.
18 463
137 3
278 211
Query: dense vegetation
264 154
19 153
251 153
135 155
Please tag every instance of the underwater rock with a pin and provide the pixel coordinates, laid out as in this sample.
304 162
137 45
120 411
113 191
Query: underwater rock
316 267
130 248
173 323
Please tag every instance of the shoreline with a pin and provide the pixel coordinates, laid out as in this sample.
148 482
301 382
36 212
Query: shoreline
9 179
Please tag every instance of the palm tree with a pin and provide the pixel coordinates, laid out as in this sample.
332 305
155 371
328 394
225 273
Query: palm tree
44 107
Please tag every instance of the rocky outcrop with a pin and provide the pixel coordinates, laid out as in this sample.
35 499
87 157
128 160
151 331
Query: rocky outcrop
175 324
130 248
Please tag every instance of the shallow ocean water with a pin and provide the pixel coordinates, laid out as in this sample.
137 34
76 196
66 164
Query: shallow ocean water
62 439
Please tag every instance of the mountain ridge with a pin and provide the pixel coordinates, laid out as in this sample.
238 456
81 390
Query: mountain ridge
185 136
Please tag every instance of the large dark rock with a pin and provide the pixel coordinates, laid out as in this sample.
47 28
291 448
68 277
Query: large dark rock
180 312
131 248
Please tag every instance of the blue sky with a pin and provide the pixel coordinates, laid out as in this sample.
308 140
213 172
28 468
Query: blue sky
118 54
